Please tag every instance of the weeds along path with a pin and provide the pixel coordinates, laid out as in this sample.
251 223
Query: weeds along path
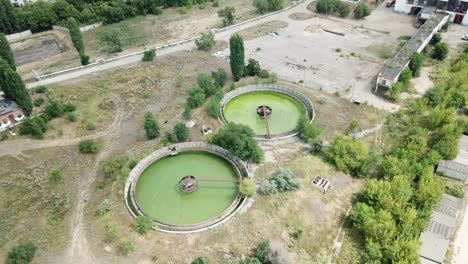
15 148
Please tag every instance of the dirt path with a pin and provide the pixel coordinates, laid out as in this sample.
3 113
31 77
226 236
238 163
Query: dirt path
15 148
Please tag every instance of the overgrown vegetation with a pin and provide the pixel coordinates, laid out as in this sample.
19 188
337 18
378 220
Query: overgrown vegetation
361 11
247 187
228 15
21 254
265 6
89 147
206 41
393 211
149 55
331 7
143 224
283 180
151 126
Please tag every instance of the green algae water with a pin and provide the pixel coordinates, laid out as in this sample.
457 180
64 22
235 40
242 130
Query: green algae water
158 194
286 111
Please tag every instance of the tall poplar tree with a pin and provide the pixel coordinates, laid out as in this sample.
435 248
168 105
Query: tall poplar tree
13 87
75 35
237 57
8 18
5 51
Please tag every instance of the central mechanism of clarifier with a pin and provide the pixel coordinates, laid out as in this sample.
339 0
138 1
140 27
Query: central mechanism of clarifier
188 184
265 111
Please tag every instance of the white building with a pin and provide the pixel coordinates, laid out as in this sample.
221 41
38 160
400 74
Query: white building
20 2
457 9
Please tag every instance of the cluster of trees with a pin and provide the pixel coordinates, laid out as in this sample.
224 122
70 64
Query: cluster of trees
265 6
238 140
337 7
333 7
393 211
208 85
11 83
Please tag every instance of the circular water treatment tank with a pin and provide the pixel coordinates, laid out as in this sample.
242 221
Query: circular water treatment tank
185 188
283 107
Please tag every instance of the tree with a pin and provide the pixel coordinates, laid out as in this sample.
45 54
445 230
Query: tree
238 140
64 10
440 51
247 187
8 19
21 254
348 155
75 35
181 132
149 55
253 67
405 77
343 9
228 15
264 6
151 126
38 16
143 224
5 51
219 77
236 46
196 97
89 147
415 64
206 41
361 214
307 131
361 11
13 87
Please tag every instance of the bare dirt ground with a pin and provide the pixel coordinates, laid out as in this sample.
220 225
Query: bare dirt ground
305 52
42 52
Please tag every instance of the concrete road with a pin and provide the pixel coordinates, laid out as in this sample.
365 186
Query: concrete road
222 35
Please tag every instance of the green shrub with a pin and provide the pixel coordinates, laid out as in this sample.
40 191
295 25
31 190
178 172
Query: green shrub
90 125
361 11
112 39
436 38
395 91
149 55
206 41
105 207
38 102
72 117
440 51
55 175
216 3
181 132
201 260
132 164
35 127
151 126
205 81
264 6
219 77
183 10
213 105
227 14
196 97
54 109
247 187
261 252
416 63
21 254
69 107
143 224
307 131
41 89
282 181
89 147
187 114
126 246
456 190
405 77
343 9
202 6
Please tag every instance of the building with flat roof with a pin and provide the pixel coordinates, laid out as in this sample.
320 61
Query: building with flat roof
10 114
391 72
436 238
457 9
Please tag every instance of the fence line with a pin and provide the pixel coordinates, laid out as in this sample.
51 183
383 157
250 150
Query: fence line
102 61
19 35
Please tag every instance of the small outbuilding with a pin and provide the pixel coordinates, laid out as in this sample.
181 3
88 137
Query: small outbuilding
10 114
